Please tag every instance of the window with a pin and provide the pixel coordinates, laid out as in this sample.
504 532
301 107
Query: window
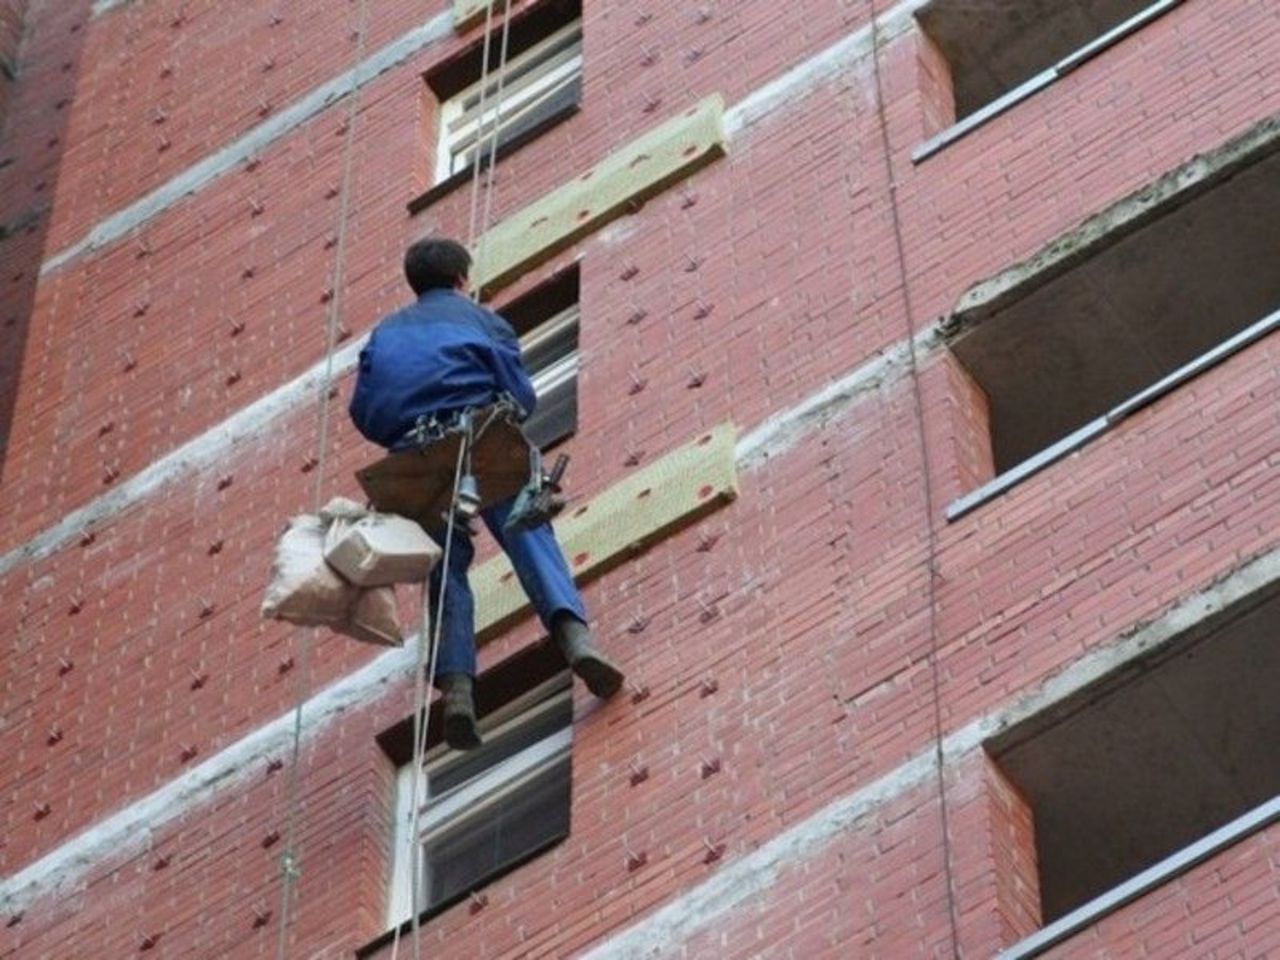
1000 51
546 319
1142 764
1065 359
539 84
486 811
542 87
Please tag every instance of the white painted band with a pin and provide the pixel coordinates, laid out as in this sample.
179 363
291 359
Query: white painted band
190 181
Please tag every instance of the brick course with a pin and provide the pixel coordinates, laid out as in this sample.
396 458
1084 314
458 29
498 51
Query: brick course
762 279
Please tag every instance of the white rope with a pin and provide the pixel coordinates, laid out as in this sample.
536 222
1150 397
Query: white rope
424 679
289 859
487 219
425 672
484 93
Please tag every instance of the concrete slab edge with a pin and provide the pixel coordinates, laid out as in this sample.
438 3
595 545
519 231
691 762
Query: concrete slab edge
241 430
1117 221
190 181
62 870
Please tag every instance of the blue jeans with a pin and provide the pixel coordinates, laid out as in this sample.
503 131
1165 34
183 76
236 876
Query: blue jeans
538 564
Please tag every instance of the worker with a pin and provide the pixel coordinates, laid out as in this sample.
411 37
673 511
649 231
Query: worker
428 363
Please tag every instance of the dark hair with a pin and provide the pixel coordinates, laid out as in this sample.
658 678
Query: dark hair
435 262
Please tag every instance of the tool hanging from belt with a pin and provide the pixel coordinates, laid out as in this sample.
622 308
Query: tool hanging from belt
416 481
539 500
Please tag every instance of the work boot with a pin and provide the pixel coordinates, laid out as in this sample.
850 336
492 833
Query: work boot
573 638
459 712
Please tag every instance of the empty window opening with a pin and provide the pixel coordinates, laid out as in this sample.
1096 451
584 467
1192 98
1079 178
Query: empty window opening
485 812
1145 762
541 86
994 46
546 320
1084 342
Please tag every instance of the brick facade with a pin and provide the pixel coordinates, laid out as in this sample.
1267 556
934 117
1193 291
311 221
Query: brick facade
817 637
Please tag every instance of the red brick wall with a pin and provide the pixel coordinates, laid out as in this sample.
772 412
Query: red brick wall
807 601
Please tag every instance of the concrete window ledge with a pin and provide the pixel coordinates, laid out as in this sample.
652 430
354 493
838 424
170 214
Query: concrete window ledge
1041 80
1096 427
1257 819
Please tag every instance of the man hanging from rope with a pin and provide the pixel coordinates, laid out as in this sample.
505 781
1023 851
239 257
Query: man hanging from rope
432 360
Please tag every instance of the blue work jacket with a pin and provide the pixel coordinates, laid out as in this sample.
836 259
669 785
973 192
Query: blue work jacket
435 356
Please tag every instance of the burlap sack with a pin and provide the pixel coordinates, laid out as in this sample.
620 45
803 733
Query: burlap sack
307 591
374 618
304 589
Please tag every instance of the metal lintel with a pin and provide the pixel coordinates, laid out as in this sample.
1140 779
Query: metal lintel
1077 439
1257 819
1043 79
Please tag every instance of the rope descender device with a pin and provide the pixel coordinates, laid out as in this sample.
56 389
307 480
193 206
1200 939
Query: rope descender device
539 500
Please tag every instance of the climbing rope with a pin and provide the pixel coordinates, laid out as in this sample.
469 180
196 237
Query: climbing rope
424 680
425 666
486 220
927 470
289 859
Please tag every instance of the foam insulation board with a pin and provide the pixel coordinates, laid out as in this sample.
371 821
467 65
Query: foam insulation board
619 183
630 516
467 12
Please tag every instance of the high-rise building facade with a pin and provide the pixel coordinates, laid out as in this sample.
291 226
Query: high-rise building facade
919 366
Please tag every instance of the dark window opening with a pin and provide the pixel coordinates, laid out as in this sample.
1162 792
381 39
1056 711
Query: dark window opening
541 87
495 806
1085 341
994 46
1149 760
546 320
484 813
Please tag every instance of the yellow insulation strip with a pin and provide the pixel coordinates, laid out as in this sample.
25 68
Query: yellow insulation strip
619 183
467 12
622 521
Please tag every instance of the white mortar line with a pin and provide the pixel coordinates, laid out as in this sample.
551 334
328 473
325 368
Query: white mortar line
784 429
131 828
212 447
696 909
821 67
191 180
779 92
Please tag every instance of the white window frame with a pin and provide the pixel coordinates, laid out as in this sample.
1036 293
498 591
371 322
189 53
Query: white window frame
560 371
472 798
528 83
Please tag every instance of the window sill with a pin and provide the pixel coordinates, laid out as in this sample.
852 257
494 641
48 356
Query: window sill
1257 819
451 183
1041 80
1096 427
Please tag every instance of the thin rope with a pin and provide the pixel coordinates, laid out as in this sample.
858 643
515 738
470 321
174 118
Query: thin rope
484 93
424 679
289 859
487 219
927 469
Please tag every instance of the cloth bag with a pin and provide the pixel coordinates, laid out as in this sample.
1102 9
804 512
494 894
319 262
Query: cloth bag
376 549
307 591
